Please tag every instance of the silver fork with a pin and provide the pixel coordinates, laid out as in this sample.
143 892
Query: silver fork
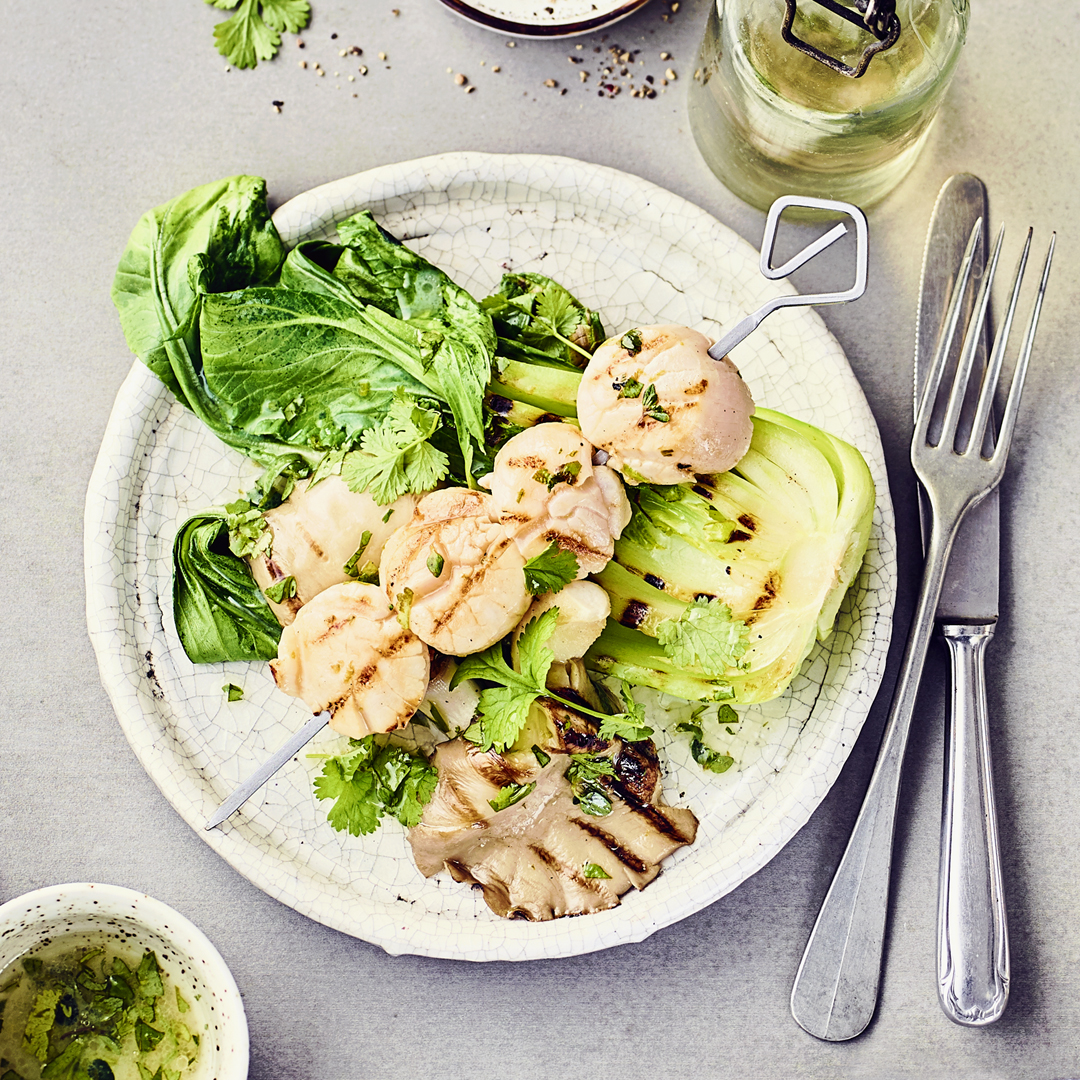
836 987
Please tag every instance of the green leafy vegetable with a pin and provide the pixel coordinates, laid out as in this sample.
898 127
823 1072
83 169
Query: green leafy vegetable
213 238
220 612
254 32
510 794
395 457
373 779
551 570
705 635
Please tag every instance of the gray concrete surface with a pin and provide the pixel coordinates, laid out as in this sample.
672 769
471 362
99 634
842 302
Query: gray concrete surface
111 108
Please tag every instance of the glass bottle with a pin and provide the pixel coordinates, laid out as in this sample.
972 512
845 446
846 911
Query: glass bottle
771 120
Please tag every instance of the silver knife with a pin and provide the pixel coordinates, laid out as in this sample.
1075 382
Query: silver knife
973 944
292 746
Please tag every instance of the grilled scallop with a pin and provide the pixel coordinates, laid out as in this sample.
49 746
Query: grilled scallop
346 652
316 531
662 408
454 574
584 608
547 490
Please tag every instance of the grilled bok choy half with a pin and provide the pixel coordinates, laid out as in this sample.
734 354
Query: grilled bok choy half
719 589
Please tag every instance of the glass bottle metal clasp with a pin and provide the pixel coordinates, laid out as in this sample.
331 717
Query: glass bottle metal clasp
877 17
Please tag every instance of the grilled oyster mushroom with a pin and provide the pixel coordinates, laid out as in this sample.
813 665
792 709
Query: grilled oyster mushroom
544 857
346 652
456 571
316 532
547 490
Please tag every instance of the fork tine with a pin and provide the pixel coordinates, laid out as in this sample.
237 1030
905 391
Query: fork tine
1008 421
997 354
945 340
964 363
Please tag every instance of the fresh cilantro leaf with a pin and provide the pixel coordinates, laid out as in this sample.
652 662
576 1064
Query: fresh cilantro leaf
503 709
594 870
435 564
584 775
706 636
233 692
557 314
375 778
329 465
631 388
40 1022
147 1037
650 405
510 794
285 589
395 457
629 725
254 32
549 571
631 342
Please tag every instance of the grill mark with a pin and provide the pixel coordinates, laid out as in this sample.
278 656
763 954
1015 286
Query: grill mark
738 537
649 812
623 854
703 491
472 582
655 582
697 388
634 614
562 870
500 405
748 522
768 592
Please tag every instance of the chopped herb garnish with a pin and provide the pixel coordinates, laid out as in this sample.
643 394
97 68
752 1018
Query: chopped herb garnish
567 473
404 603
542 758
592 870
285 589
584 776
435 563
631 342
510 794
386 517
631 388
350 567
650 405
233 692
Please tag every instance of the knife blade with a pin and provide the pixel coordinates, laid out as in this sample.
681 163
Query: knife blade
970 592
972 939
292 746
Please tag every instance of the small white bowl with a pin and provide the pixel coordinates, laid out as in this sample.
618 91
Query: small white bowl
184 954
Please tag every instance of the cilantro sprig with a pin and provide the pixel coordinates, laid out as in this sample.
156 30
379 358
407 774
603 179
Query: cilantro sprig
253 33
706 636
395 457
503 709
551 570
372 779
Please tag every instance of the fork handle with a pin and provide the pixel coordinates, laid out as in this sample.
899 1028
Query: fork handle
973 941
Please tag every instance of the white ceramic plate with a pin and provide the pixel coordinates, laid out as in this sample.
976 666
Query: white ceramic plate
637 253
544 18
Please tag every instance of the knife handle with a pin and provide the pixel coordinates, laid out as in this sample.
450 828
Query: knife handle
973 939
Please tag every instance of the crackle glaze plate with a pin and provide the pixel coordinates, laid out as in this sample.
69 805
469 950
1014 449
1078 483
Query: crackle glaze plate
544 18
638 254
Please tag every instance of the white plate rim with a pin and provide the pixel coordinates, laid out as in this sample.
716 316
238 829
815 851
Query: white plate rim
133 698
